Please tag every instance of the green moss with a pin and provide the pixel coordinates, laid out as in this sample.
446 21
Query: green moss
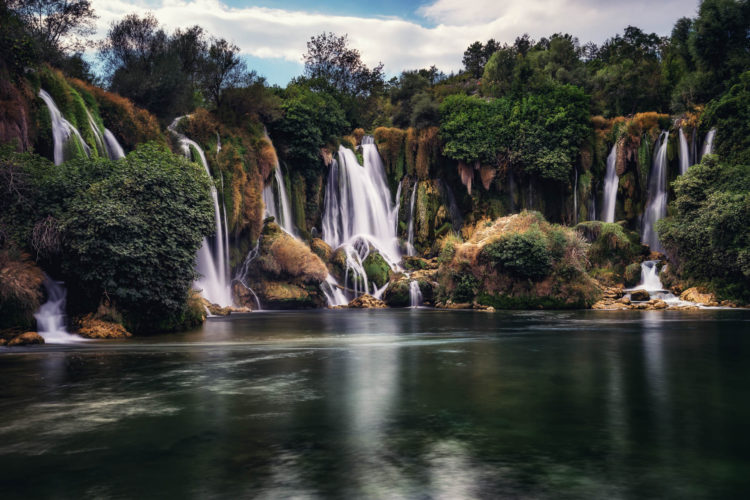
397 294
632 274
376 268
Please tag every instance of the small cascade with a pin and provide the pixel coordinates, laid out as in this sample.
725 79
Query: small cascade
114 150
410 232
611 182
62 131
360 215
708 144
213 262
684 153
650 277
656 205
241 276
50 318
279 206
415 294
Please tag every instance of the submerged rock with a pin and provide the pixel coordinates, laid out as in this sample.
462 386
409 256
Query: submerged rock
28 338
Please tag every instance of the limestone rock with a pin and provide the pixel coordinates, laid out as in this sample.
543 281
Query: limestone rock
366 301
28 338
639 295
695 295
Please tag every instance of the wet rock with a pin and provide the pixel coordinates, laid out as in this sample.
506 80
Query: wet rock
610 305
28 338
397 293
321 249
376 268
727 303
366 301
639 296
657 304
92 328
695 295
624 300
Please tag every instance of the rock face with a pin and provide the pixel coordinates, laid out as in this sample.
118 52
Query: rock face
28 338
217 310
91 328
367 302
695 295
286 274
639 295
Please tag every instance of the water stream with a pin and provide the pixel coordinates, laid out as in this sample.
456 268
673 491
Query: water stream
611 183
656 205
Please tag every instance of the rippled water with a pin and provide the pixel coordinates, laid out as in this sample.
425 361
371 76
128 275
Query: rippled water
388 404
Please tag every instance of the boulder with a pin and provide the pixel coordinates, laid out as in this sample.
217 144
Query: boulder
397 292
639 296
657 304
281 295
695 295
366 301
92 328
376 268
28 338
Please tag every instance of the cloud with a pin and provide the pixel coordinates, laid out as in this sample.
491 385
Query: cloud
400 44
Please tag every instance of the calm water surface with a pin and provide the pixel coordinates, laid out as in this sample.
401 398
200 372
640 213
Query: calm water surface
388 404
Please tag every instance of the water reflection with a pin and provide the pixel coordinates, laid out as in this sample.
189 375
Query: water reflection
389 404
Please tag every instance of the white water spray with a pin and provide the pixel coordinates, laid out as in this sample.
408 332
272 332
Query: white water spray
708 144
62 130
611 182
656 205
684 153
415 294
50 318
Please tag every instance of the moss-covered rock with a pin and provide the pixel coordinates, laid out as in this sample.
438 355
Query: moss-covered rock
397 293
376 268
491 267
612 247
632 274
321 249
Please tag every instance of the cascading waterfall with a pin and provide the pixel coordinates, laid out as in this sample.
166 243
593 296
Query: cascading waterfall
359 214
410 232
656 205
708 144
62 130
213 261
279 206
241 276
684 153
611 182
415 294
50 318
650 277
106 143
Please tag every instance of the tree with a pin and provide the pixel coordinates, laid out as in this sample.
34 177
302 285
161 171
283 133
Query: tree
330 60
222 69
56 24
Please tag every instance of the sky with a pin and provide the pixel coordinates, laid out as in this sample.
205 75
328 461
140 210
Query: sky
405 34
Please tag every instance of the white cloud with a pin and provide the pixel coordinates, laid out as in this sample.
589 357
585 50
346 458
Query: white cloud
400 44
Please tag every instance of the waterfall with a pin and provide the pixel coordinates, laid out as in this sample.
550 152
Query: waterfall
684 153
611 182
50 318
708 144
592 205
241 276
415 294
410 232
650 277
575 198
62 130
279 206
656 205
213 261
114 150
359 214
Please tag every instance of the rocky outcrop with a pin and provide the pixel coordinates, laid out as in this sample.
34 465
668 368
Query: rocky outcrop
517 262
91 327
695 295
367 301
286 274
217 310
28 338
639 295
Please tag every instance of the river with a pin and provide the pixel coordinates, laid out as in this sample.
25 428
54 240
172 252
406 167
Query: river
388 404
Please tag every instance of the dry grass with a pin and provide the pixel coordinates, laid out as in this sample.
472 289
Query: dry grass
410 151
201 126
390 141
20 281
296 259
267 158
428 150
358 134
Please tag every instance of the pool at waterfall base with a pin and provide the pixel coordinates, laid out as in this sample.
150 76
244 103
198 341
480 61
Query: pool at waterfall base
411 403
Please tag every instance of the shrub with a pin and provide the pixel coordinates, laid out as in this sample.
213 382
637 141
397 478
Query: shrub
521 255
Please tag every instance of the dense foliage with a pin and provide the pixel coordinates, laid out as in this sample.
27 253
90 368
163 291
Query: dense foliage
123 232
539 134
522 255
709 236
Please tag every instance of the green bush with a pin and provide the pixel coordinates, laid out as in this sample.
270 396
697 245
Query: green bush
521 255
